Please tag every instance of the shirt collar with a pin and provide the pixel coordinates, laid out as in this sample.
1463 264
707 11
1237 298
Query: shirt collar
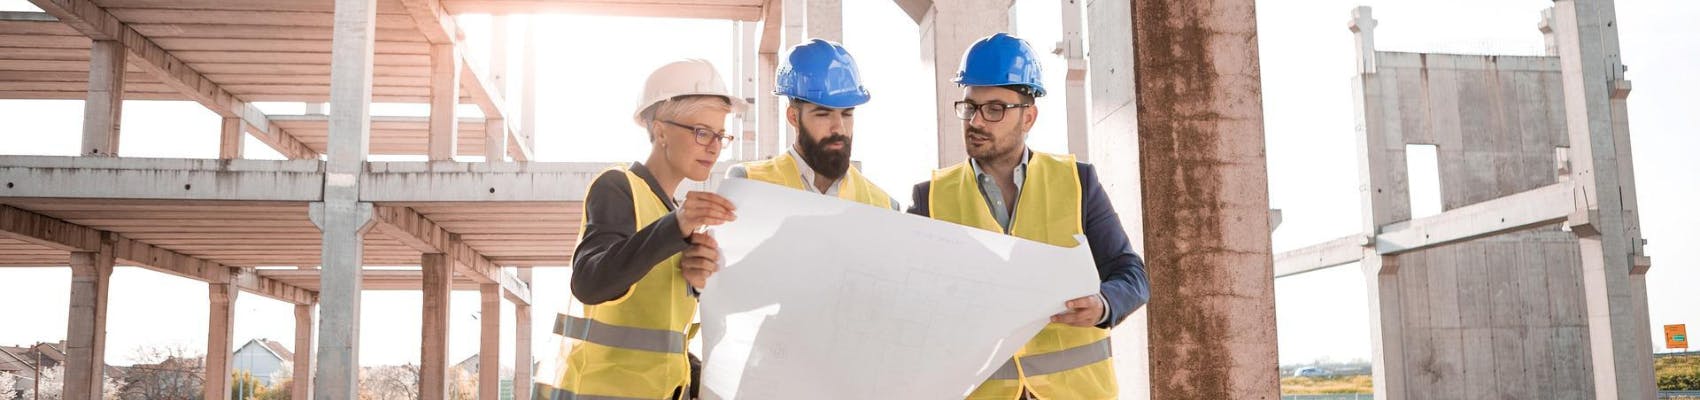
1020 171
807 171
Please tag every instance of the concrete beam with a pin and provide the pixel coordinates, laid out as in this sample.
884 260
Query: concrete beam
105 102
445 94
221 319
1327 254
141 178
433 21
50 232
1201 153
655 9
422 234
85 335
434 342
915 9
440 29
1541 206
458 181
490 341
93 21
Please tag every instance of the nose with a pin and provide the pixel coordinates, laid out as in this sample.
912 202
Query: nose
978 120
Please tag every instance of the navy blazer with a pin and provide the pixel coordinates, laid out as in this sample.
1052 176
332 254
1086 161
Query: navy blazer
1120 270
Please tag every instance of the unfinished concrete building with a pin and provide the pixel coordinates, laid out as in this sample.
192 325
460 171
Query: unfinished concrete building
1531 283
1179 87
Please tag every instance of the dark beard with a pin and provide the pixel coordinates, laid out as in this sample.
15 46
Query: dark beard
827 163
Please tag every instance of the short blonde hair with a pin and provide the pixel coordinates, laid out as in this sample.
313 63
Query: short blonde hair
672 109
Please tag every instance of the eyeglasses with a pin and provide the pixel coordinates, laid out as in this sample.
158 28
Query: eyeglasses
704 136
991 112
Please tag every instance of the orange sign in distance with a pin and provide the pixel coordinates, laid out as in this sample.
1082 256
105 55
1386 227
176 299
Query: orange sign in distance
1676 336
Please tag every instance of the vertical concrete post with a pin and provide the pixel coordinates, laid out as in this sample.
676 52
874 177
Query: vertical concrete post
522 342
1199 98
1547 34
825 20
528 85
947 30
438 271
1113 137
230 139
769 114
1073 49
341 216
445 95
489 341
495 129
1381 191
101 113
85 335
221 318
1592 67
301 384
744 72
495 140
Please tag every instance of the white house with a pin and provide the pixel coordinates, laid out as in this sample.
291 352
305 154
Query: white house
266 359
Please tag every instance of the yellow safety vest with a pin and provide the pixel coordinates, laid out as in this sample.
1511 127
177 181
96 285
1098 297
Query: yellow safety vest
632 347
782 170
1062 361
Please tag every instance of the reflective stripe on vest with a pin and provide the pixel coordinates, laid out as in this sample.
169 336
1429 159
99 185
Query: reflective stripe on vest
782 170
625 337
542 391
1050 363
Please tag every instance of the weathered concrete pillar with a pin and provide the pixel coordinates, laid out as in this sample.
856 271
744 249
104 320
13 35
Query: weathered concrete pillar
85 335
522 342
947 29
825 20
301 384
1384 197
489 341
1613 265
438 271
341 216
102 111
221 318
1113 137
1200 120
445 95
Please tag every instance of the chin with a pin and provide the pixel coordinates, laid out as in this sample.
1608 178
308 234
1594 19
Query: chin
698 174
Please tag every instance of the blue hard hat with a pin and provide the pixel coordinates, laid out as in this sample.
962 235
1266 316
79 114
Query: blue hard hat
1001 60
821 72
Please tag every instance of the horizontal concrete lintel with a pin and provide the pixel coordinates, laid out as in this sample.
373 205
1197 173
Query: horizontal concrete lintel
462 181
1332 253
185 179
1520 211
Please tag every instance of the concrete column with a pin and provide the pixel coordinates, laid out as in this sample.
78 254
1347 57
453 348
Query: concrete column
438 271
341 216
495 129
445 94
748 71
101 113
1547 34
1384 199
771 117
793 32
221 318
947 30
85 335
1612 263
489 341
230 139
522 342
301 387
1113 138
495 140
1198 92
1073 48
825 20
528 86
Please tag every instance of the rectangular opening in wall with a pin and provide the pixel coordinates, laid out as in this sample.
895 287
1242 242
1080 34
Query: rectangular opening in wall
1422 176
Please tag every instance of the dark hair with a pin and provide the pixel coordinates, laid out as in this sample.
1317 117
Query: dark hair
1025 91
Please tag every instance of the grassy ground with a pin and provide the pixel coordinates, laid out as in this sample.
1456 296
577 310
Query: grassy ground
1678 372
1333 385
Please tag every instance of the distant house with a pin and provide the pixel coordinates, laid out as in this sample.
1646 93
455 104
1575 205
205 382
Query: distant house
22 362
265 358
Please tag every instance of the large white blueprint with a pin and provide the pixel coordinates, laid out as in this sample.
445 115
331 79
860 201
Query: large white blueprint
821 298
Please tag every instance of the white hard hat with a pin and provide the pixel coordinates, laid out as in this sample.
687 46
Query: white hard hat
687 77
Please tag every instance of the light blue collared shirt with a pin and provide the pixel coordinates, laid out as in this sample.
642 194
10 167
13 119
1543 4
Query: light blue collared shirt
1006 213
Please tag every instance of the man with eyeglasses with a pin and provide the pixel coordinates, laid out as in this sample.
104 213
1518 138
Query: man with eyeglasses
825 87
1006 187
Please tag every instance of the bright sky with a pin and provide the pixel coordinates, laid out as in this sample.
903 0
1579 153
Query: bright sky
588 85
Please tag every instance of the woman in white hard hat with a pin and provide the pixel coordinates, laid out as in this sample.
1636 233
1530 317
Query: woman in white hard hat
640 257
